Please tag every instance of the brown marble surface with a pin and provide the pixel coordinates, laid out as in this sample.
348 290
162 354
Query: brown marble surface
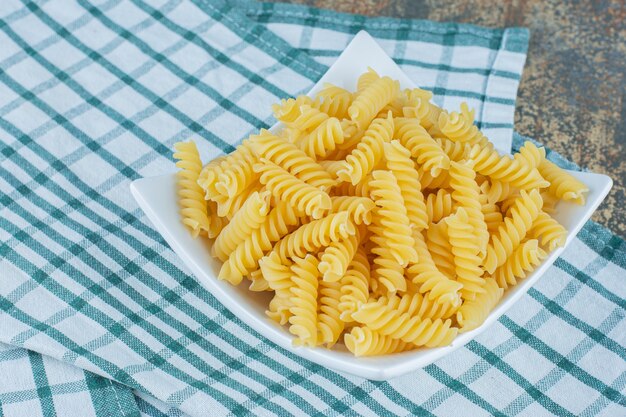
573 92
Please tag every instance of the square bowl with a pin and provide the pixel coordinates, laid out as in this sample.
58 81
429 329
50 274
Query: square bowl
158 198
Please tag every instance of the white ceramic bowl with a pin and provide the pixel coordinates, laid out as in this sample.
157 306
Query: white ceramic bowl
157 197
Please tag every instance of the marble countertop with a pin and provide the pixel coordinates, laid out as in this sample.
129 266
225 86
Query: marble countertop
572 95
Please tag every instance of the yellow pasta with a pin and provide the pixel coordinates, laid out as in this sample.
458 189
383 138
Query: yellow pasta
334 101
456 151
474 312
303 310
465 249
326 215
258 283
289 157
285 186
466 194
421 145
393 221
366 79
459 127
399 162
194 211
363 341
523 259
421 108
438 205
510 234
404 326
368 152
424 272
354 286
249 218
245 258
316 234
228 206
359 208
440 249
563 185
209 176
237 173
372 99
550 232
506 169
288 110
337 256
329 324
323 139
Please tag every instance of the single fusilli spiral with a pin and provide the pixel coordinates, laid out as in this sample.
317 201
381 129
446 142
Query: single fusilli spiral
276 272
372 99
329 325
435 285
399 162
308 119
491 213
249 218
505 169
194 211
550 232
368 152
354 285
391 216
303 320
246 257
387 273
466 194
440 248
316 234
363 341
404 326
466 250
531 154
524 259
509 235
334 101
278 276
366 79
563 185
421 108
337 256
209 176
295 161
287 111
237 173
323 139
307 199
421 145
474 312
417 305
459 127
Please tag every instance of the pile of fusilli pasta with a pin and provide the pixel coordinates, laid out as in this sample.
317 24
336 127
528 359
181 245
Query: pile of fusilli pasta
375 216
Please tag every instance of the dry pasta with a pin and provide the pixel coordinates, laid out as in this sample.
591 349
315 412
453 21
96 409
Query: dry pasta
375 219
